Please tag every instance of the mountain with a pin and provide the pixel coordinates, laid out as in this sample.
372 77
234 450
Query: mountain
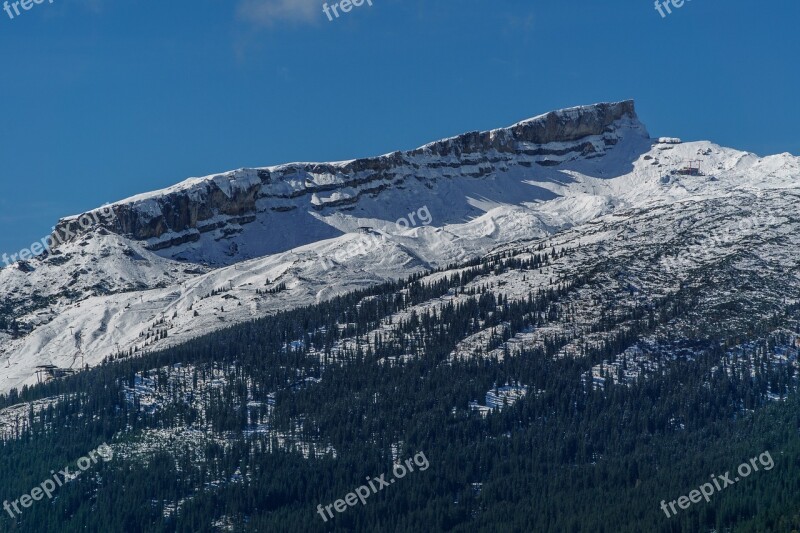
554 326
251 213
160 268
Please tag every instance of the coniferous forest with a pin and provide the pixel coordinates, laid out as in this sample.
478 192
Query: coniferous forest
251 428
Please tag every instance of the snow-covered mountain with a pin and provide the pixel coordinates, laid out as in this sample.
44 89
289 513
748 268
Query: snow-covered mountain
214 251
249 213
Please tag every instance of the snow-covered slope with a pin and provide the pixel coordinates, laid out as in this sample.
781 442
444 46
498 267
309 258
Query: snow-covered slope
213 251
248 213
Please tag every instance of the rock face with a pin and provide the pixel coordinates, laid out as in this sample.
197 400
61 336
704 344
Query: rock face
564 126
222 205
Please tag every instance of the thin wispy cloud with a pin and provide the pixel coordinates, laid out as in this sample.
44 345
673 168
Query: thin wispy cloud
271 12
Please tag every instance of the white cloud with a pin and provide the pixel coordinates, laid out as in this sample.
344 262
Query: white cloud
269 12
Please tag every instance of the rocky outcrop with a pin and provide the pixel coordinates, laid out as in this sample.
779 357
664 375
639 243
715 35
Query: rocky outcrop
182 213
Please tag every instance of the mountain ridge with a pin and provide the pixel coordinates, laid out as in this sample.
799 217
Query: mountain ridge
182 214
105 293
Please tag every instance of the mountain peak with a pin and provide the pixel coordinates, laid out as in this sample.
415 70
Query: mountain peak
561 126
215 209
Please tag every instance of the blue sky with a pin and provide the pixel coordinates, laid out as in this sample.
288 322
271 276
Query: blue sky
105 99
